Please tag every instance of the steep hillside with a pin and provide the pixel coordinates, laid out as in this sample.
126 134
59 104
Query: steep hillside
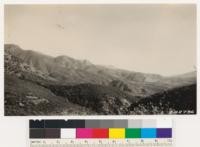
67 70
26 98
101 99
37 84
176 101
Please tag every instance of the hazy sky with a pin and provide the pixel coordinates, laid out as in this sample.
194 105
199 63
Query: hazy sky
146 38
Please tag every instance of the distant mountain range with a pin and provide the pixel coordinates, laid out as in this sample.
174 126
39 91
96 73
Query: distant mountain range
76 82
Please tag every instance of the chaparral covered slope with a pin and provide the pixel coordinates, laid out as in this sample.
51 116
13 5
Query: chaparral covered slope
37 84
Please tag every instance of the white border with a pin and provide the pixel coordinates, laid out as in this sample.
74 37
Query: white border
180 121
90 2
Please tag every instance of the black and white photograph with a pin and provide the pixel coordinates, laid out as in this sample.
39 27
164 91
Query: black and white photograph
100 59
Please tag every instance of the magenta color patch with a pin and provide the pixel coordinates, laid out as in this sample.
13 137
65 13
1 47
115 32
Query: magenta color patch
83 133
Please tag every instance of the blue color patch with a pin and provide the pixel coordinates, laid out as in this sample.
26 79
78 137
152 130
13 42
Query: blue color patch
148 133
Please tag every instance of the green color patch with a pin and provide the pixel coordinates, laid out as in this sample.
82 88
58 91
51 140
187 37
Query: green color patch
133 133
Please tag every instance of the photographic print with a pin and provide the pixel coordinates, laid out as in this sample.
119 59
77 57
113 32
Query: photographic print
100 59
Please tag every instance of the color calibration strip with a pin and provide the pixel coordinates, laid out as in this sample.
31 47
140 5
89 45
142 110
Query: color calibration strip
101 129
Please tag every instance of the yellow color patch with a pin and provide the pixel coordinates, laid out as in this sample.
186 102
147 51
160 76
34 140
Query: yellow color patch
116 133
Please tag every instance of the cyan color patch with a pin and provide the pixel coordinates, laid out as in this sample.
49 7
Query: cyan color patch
148 133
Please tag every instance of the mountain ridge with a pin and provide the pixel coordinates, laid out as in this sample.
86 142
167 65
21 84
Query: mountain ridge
78 83
69 70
